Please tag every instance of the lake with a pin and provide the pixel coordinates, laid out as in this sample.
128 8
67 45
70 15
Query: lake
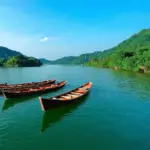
114 116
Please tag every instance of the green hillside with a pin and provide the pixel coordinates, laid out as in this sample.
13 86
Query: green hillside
82 59
22 61
6 53
131 54
11 58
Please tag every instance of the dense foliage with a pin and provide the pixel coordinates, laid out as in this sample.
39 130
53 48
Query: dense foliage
22 61
10 58
2 61
132 54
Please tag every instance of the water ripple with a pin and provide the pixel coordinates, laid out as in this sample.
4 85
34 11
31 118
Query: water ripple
112 116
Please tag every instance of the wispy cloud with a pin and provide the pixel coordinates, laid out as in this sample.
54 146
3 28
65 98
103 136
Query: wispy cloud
44 39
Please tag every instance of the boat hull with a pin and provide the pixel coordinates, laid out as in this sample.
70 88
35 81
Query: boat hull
24 85
53 116
57 101
25 94
50 104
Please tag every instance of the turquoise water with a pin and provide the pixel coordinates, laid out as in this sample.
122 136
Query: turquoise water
114 116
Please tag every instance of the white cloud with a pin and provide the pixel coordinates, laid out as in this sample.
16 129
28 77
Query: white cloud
44 39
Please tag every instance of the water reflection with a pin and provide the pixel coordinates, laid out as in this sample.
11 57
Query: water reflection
133 82
131 79
55 115
8 103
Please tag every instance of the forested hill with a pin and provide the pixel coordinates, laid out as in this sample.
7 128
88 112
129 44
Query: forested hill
5 52
11 58
82 59
131 54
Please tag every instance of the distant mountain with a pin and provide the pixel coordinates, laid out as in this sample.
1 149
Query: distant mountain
131 54
64 60
45 61
13 58
6 53
82 59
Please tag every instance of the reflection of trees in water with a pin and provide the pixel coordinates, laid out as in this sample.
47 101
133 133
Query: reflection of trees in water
131 81
55 115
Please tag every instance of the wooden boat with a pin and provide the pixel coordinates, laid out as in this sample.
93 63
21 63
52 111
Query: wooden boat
31 91
54 116
65 98
25 85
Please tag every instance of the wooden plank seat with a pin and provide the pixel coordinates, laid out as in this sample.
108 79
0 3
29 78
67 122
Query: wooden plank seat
67 97
76 93
72 96
80 91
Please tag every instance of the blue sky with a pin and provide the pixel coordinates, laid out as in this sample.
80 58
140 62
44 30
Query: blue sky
53 29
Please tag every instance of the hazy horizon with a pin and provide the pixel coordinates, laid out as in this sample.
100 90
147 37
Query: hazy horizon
54 29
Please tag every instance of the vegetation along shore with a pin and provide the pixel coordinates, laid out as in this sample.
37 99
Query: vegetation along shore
11 58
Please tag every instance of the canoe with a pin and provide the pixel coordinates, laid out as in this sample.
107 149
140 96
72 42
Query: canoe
27 85
54 116
24 85
65 98
32 91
